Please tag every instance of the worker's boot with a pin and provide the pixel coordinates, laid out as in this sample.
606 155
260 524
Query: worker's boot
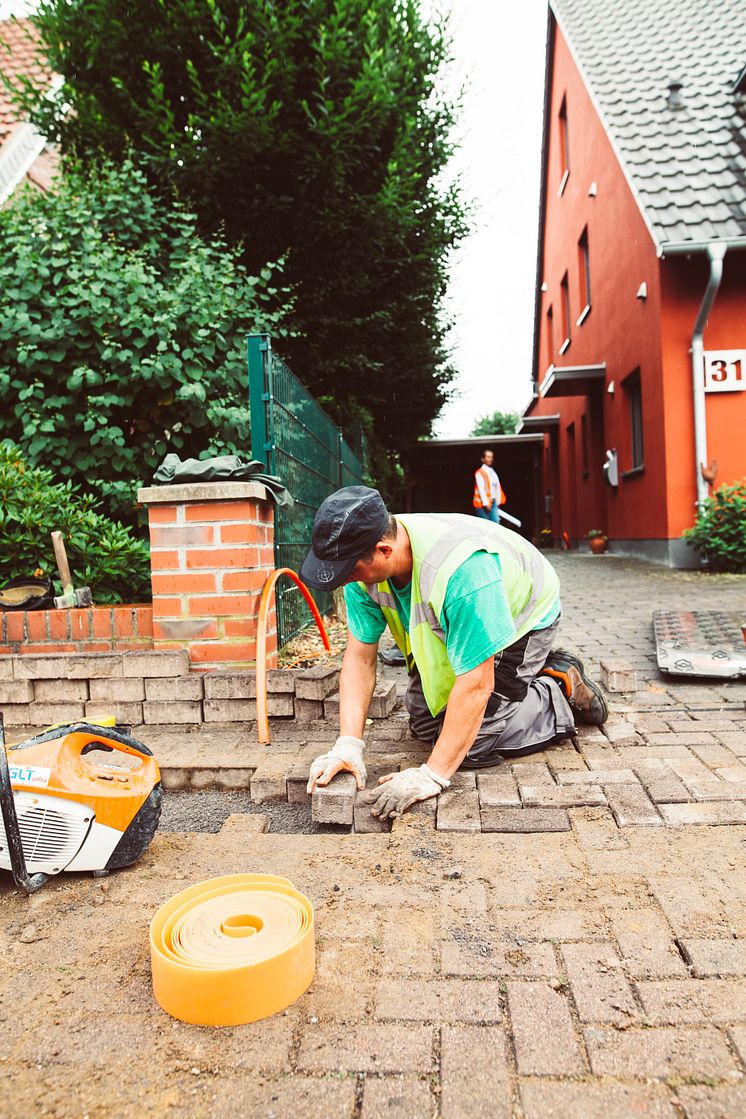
584 696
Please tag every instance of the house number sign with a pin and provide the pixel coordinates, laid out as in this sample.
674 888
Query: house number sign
725 370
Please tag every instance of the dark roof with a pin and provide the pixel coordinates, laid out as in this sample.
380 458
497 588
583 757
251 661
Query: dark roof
686 165
19 56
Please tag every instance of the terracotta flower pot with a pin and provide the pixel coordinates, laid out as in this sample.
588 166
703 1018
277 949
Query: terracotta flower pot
598 544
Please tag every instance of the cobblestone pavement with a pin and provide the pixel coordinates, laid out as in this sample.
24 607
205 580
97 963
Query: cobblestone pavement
595 971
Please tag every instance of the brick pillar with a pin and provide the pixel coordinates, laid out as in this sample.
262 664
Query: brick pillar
211 551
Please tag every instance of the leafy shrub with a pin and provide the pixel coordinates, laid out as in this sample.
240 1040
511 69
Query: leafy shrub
102 553
720 529
122 333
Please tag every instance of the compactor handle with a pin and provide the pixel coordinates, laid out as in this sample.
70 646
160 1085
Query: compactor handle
114 739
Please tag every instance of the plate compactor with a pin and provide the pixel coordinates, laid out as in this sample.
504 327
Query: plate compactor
77 797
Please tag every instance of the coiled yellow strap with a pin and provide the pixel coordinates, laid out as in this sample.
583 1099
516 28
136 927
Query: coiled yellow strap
232 950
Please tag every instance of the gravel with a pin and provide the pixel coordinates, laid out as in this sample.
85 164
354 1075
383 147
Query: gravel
207 812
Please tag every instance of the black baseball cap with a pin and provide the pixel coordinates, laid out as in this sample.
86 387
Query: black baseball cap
347 526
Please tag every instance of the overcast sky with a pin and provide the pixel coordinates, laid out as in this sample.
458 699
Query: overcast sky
499 52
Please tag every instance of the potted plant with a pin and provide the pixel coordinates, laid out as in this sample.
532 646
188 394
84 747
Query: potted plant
598 540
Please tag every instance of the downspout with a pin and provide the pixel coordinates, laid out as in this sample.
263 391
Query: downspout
716 253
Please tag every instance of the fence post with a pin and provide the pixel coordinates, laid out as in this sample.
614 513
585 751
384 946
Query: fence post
261 447
340 459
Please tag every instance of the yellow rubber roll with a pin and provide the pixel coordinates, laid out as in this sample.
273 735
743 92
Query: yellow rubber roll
232 950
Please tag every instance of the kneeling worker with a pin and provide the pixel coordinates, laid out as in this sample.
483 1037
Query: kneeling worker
474 608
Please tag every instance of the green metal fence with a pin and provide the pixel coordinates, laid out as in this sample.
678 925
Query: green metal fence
294 436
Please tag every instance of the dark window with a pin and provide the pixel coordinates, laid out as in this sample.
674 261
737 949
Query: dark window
565 308
633 392
564 141
584 276
550 335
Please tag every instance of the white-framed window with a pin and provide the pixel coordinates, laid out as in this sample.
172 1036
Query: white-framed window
584 277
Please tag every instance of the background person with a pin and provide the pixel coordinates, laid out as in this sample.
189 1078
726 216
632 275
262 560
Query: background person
474 608
488 494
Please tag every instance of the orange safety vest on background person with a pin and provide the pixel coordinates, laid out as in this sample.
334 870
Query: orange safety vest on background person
477 499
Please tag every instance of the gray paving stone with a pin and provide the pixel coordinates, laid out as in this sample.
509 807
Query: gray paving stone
717 790
726 1101
660 782
364 823
567 796
618 675
396 1097
383 700
598 777
317 683
458 810
525 819
679 1002
647 944
334 803
366 1047
543 1033
464 1095
715 957
532 773
704 813
660 1052
498 790
562 1100
445 1000
599 987
632 807
621 733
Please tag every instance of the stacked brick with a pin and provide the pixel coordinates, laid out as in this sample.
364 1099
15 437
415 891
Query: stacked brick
211 551
97 629
156 687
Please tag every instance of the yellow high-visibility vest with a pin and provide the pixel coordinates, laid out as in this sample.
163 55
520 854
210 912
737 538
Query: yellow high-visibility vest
440 544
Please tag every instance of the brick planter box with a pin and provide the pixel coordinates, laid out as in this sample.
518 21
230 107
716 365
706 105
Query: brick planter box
211 551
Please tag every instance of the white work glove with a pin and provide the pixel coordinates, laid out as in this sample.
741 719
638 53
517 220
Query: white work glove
399 791
346 753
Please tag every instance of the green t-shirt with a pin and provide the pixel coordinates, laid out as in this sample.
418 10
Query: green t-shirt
476 617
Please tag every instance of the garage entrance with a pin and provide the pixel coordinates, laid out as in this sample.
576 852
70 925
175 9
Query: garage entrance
439 475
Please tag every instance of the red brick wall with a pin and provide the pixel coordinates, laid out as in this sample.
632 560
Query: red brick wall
210 562
98 629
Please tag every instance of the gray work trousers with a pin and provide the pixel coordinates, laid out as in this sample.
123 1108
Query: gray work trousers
525 711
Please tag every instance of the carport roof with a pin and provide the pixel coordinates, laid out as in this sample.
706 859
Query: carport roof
476 440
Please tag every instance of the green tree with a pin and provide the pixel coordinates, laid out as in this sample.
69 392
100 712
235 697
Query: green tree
311 131
497 423
122 333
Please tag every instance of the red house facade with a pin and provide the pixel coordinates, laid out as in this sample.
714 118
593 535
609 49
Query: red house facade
640 328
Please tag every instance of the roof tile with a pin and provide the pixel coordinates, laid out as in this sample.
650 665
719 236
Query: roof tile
688 165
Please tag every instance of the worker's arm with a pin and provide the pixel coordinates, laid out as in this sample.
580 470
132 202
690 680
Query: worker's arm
464 714
356 684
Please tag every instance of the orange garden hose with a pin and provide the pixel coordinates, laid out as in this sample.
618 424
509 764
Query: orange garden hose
232 950
262 719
